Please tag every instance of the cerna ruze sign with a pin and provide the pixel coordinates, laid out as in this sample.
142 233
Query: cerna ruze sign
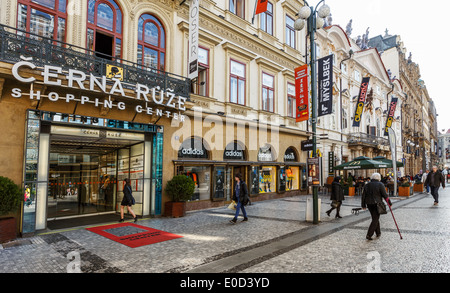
166 102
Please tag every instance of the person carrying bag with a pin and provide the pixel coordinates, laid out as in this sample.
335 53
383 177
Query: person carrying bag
372 199
337 196
240 196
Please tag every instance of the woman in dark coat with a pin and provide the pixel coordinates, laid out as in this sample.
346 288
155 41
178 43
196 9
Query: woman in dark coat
337 196
374 192
127 200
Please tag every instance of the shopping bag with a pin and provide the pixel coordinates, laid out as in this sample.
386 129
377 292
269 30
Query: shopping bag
232 205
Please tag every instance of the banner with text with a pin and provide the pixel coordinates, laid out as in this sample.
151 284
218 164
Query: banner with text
325 82
193 39
391 114
361 101
301 93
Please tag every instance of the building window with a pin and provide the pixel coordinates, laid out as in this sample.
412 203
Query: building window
291 101
104 28
268 82
344 68
200 86
357 75
344 119
238 7
237 82
45 18
151 42
290 32
266 19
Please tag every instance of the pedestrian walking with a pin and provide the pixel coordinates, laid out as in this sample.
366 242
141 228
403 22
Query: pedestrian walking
240 196
373 195
434 180
127 201
337 196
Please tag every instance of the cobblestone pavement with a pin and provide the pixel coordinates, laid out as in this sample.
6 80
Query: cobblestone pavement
276 239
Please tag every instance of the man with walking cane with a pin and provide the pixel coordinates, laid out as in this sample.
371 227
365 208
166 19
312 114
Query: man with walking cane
372 199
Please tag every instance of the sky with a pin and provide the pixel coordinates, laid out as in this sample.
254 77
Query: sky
422 26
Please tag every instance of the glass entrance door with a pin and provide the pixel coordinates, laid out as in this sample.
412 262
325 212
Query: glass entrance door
80 184
86 174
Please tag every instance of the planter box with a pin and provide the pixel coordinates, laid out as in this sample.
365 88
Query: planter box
7 229
403 191
175 209
351 191
418 187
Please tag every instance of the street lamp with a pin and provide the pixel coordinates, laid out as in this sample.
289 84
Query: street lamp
314 18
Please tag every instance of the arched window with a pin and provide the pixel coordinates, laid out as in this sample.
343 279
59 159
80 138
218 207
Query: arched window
151 42
104 28
46 18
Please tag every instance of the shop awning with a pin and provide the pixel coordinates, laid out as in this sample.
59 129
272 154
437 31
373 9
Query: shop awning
388 162
362 163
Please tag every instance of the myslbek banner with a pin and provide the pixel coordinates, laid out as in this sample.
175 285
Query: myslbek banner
361 101
193 39
325 82
391 114
301 93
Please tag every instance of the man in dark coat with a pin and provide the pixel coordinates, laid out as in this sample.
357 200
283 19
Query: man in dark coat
434 180
337 196
373 193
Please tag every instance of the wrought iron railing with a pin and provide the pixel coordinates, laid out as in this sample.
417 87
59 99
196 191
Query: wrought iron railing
367 139
15 43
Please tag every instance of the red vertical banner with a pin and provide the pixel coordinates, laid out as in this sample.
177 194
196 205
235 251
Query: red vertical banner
302 93
261 6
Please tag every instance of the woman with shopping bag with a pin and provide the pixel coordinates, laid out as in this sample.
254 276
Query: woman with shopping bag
337 196
240 196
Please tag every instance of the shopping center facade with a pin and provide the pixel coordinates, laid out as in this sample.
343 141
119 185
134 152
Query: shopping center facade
93 92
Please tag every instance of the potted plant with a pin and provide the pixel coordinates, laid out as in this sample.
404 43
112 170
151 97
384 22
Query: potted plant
351 188
344 186
10 199
404 189
418 186
180 188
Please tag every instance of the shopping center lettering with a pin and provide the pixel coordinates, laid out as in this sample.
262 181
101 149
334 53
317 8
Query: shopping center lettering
51 77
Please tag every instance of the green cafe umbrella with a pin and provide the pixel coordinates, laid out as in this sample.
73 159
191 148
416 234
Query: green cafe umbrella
388 162
362 163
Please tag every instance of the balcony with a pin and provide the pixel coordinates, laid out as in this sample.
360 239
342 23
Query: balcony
15 43
364 139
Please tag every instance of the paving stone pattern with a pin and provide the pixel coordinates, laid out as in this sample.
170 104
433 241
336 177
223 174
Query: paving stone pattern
276 239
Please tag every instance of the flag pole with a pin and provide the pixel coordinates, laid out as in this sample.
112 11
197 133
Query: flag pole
254 12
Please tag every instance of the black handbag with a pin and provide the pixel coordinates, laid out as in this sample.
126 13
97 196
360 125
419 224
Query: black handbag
335 204
381 207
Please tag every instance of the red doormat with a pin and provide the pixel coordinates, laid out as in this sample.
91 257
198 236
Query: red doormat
133 235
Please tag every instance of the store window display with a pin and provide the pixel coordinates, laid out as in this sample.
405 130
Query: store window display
267 180
292 178
201 177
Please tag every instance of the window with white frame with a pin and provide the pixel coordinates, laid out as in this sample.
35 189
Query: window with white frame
268 83
266 19
290 31
237 82
291 101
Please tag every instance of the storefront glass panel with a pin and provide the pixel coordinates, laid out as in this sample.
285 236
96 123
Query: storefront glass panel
201 177
268 179
254 180
71 169
292 178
